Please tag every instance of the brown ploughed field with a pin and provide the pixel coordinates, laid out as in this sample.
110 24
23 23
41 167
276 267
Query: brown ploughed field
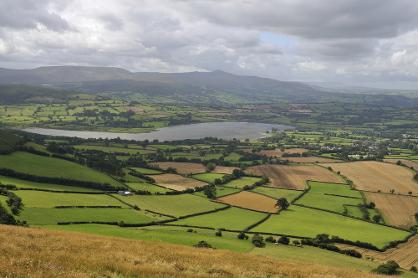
183 168
374 176
409 163
293 177
311 159
397 210
176 182
224 169
250 200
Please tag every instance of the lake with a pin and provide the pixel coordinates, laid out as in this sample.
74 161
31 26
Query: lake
223 130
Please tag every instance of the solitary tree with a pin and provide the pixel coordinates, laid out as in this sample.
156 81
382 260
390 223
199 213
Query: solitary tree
282 203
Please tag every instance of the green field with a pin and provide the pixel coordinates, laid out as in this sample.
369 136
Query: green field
52 167
208 177
131 151
146 171
147 187
241 182
48 186
48 216
175 205
231 218
277 193
40 199
305 222
220 191
333 188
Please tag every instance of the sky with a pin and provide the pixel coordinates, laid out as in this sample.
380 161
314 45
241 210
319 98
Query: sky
356 42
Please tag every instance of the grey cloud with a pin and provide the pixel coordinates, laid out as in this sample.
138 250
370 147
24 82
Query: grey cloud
26 14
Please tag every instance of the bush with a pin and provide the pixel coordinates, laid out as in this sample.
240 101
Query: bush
283 240
218 233
296 243
258 241
203 244
389 268
242 236
413 269
270 239
190 230
352 253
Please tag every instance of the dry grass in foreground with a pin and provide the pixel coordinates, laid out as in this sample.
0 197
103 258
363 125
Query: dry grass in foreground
29 252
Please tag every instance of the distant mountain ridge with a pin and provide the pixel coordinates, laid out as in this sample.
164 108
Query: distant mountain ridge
111 79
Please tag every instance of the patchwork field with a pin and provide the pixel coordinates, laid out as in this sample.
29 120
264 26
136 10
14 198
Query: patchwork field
52 167
176 182
183 168
40 199
324 196
242 182
293 177
49 186
397 210
144 186
374 176
208 177
405 254
224 169
305 222
231 218
250 200
311 159
277 193
49 216
409 163
146 171
174 205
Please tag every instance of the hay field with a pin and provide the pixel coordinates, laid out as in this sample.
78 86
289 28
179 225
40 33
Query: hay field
374 176
224 169
183 168
311 159
29 252
176 182
293 177
405 254
250 200
396 209
409 163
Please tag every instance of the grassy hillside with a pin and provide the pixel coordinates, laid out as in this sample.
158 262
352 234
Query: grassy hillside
52 167
52 255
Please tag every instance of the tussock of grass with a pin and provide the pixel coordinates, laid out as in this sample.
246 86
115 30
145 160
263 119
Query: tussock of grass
28 252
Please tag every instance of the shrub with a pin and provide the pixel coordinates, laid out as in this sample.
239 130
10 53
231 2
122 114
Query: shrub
413 269
283 240
270 239
203 244
377 218
218 233
242 235
296 243
190 230
352 253
258 241
389 268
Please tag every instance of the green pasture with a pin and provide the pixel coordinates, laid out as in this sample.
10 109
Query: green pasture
52 167
241 182
231 218
208 177
175 205
220 191
147 187
305 222
146 171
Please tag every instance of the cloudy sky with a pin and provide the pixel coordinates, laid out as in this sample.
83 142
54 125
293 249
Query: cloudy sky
350 41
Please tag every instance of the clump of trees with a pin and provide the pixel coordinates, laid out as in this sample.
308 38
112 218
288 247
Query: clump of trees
388 268
258 241
203 244
14 202
210 191
282 203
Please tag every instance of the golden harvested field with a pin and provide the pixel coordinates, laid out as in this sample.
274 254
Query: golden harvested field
176 182
250 200
183 168
311 159
293 177
224 169
279 153
374 176
407 162
396 209
405 254
34 252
